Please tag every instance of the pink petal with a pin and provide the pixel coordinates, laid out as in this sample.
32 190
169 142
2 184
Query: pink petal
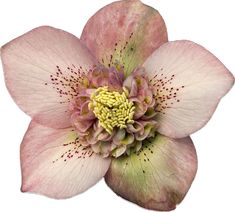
55 164
158 177
124 33
41 71
189 82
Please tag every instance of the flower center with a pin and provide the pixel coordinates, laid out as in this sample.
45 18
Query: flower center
113 109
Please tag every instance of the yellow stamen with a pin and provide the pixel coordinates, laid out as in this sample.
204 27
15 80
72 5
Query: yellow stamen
113 109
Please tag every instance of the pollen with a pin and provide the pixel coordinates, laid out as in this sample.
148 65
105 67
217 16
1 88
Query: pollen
113 109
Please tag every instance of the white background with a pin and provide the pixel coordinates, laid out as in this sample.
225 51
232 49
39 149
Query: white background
210 23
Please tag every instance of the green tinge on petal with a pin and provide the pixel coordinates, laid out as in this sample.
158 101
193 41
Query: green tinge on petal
124 33
157 177
133 51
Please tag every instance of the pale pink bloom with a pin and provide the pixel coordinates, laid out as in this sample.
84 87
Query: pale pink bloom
119 102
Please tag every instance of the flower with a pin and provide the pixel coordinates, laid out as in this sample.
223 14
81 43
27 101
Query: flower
119 102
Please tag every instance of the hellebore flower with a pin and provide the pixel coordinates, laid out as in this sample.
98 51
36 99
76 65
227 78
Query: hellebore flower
119 102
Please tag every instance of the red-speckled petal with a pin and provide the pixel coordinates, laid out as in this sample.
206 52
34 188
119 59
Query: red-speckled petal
55 164
188 84
42 70
124 33
158 177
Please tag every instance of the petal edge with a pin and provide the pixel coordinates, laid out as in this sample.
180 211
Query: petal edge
54 164
189 82
124 33
157 178
36 73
